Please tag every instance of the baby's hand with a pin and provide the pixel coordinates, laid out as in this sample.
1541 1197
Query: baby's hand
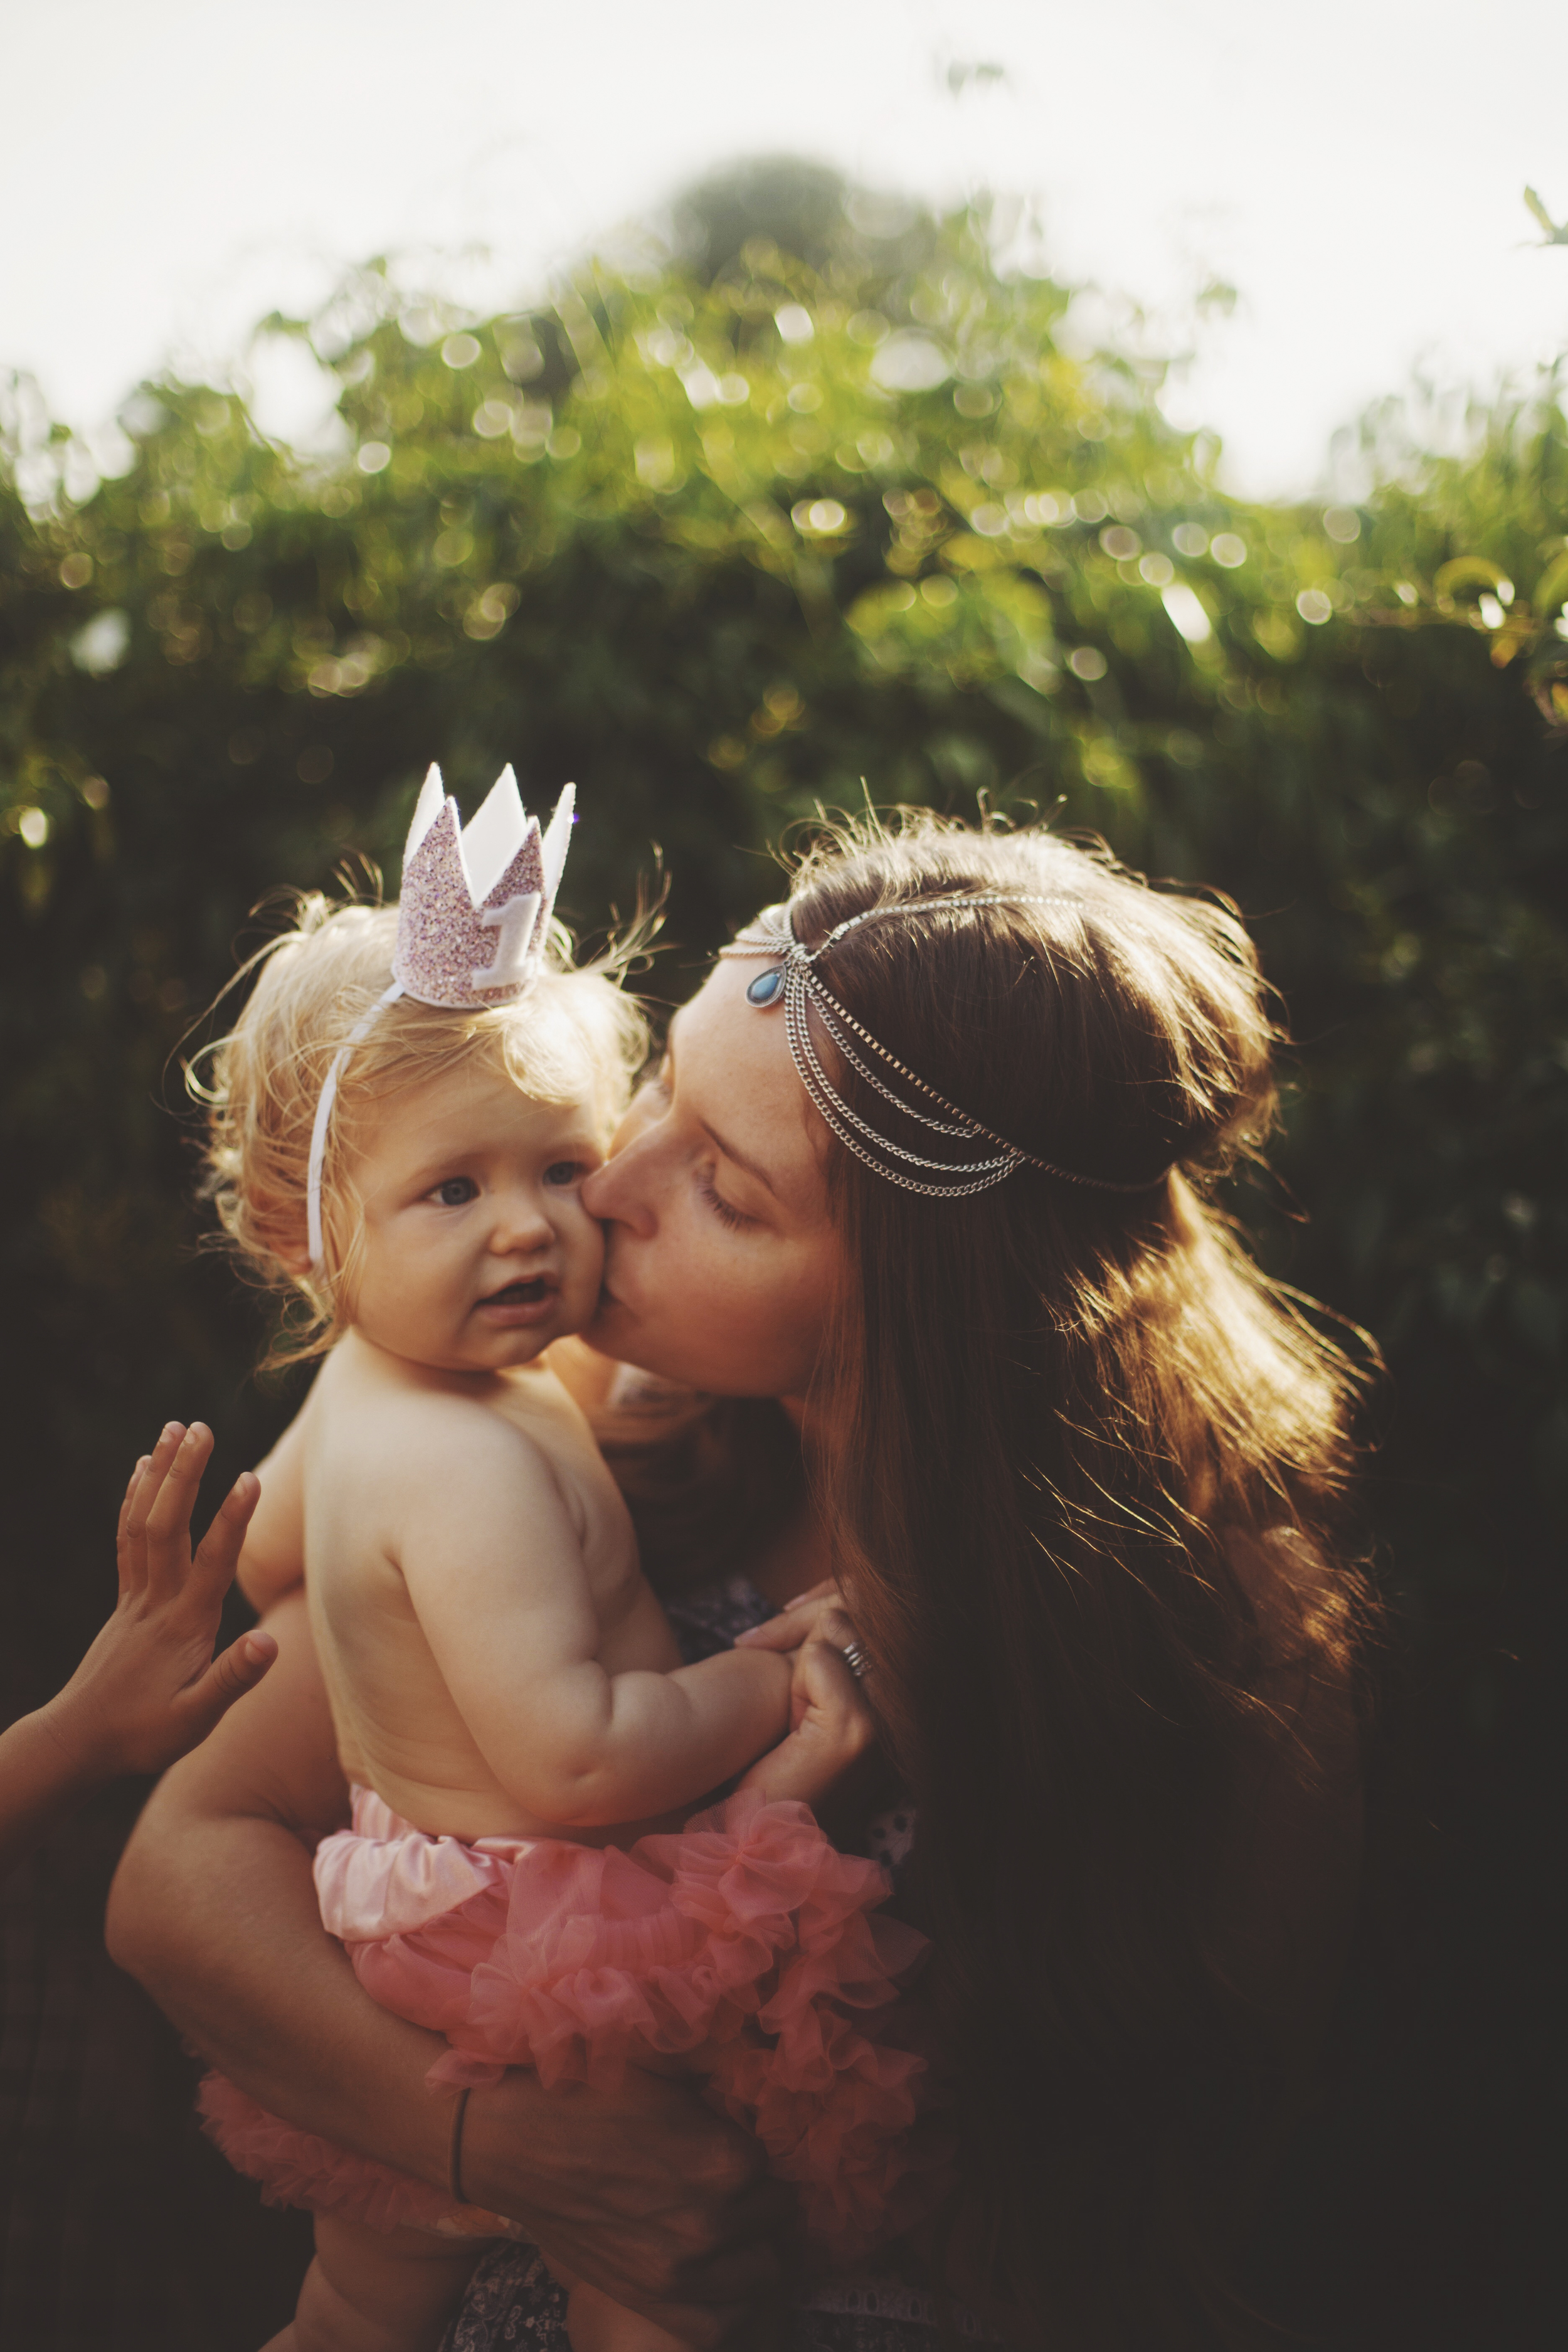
819 1616
150 1688
831 1727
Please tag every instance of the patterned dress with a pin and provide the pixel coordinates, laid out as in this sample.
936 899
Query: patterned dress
514 2306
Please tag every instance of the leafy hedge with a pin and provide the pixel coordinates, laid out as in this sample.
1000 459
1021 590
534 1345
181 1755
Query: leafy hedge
728 543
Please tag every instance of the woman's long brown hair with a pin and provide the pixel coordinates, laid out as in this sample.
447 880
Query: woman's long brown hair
1087 1480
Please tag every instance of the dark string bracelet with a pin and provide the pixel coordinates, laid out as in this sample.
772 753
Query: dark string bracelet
455 2159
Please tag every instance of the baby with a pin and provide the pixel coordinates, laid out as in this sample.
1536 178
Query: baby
506 1691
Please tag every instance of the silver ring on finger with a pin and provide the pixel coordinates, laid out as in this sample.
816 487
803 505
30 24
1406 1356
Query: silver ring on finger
853 1657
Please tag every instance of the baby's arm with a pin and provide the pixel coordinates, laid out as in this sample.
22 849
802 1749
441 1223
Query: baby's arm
273 1560
495 1573
149 1688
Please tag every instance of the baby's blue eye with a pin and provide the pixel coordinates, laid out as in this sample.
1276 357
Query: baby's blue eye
563 1172
456 1191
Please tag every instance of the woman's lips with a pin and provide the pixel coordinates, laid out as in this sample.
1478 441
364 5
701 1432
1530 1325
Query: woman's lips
521 1303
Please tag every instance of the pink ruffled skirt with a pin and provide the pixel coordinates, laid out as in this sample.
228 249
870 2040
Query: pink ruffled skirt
745 1945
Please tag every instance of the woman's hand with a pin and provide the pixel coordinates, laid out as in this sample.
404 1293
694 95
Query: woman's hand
643 2191
820 1614
831 1727
149 1688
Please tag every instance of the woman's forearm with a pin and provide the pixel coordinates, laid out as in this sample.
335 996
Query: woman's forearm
40 1781
213 1911
646 2192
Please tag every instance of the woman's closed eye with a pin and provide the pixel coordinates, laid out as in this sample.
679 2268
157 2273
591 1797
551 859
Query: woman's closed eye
727 1216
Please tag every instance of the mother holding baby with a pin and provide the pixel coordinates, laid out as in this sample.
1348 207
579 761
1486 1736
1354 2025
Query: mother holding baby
913 1244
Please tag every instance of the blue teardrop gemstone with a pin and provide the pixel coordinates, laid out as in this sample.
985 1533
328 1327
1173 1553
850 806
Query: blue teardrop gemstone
766 986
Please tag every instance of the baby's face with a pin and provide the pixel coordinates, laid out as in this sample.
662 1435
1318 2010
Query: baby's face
477 1251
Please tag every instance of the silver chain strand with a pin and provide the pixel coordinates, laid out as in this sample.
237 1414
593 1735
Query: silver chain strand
802 988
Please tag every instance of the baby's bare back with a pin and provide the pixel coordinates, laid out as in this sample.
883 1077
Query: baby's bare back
444 1517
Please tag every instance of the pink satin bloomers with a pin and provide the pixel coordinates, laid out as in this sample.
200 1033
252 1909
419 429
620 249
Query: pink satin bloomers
746 1944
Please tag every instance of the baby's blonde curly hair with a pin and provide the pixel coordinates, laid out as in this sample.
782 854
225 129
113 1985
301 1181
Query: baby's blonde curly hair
577 1036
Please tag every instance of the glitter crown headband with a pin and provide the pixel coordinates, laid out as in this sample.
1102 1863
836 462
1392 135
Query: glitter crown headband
795 981
473 922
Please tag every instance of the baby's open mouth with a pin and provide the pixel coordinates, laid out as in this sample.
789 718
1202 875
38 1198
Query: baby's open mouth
532 1293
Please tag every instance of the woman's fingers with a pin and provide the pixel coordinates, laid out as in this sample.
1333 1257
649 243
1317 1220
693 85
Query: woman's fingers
218 1555
794 1624
829 1685
169 1518
129 1556
831 1729
835 1628
236 1670
143 1500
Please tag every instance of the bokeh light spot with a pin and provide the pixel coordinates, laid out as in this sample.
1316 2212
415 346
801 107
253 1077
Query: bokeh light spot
76 572
531 425
102 645
1086 662
701 385
492 418
33 825
1190 539
818 517
1186 612
1314 607
909 363
520 356
375 457
460 351
1120 543
1228 549
1342 523
938 592
655 464
794 322
1157 570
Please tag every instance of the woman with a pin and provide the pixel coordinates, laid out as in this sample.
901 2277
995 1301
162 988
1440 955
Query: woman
929 1162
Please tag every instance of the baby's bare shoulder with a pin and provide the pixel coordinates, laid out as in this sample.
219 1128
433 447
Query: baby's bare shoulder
419 1432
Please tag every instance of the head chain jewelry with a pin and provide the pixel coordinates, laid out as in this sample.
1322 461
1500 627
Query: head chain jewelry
796 981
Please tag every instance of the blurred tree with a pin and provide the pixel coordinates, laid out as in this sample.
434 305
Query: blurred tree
828 505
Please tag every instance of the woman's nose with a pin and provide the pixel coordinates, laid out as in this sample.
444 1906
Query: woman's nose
620 1192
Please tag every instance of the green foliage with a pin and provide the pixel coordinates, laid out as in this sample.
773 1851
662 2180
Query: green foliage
730 547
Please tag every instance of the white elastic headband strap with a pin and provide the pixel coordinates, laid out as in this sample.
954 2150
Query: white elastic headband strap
356 1036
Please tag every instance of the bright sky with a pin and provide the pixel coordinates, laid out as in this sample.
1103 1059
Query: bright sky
174 169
